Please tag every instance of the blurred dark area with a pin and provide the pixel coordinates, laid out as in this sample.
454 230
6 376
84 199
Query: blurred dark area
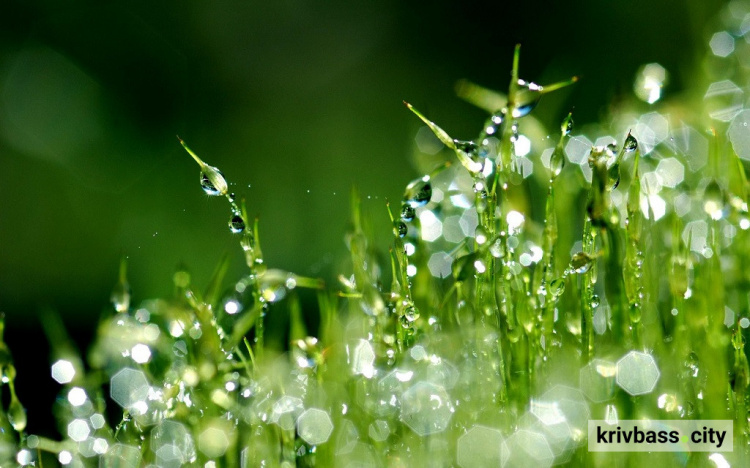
294 101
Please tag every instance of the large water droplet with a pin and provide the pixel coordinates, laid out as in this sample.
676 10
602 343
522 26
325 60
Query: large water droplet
236 224
567 125
613 176
401 229
411 313
557 287
631 144
213 181
418 192
527 97
17 414
713 201
407 212
581 262
556 162
121 297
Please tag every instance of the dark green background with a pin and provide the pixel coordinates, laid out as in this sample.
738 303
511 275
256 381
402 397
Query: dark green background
294 101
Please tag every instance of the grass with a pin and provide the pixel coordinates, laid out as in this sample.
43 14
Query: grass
525 293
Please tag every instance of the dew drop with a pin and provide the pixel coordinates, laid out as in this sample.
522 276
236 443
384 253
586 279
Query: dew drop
581 262
557 287
613 176
527 97
556 162
411 313
631 144
401 229
713 201
567 125
16 414
236 224
407 212
213 181
405 323
418 192
120 297
595 301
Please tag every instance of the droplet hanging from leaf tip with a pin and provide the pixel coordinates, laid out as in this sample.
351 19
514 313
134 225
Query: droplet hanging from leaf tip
631 144
418 192
236 224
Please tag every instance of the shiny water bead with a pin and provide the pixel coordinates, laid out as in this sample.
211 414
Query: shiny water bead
631 144
481 446
426 408
713 201
213 181
556 162
236 224
527 97
581 262
401 229
407 212
418 192
557 287
314 426
411 313
16 414
613 176
637 373
567 125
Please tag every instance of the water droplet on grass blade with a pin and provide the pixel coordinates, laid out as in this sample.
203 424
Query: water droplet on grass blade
713 201
16 414
556 162
567 125
581 262
418 192
411 313
631 144
236 224
557 287
213 181
401 229
407 212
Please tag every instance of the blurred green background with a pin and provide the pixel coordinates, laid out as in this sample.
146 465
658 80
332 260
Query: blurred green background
294 101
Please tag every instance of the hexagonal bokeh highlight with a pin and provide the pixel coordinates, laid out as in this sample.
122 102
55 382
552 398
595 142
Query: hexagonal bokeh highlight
79 430
314 426
285 411
671 172
572 404
63 371
527 448
637 373
426 408
481 446
120 455
172 444
213 442
597 380
128 387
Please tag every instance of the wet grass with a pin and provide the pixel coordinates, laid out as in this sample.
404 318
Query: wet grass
535 281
